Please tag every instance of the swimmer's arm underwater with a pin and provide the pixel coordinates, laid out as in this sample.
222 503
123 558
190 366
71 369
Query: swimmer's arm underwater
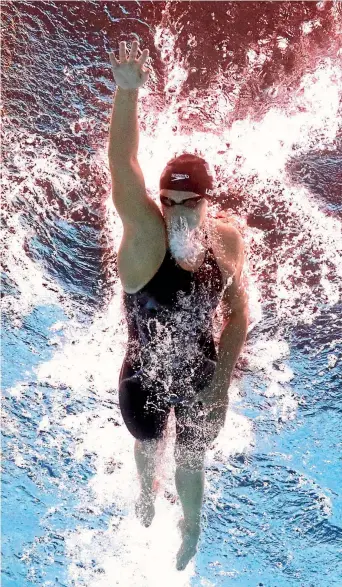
215 397
234 306
232 338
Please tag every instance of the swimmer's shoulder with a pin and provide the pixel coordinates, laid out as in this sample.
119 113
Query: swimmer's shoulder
227 245
226 232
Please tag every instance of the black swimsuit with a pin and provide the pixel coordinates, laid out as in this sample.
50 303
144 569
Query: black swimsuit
171 353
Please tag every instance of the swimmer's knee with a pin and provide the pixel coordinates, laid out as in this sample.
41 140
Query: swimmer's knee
148 446
189 457
147 443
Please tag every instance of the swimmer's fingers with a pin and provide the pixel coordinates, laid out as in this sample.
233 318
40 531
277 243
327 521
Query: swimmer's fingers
133 52
208 397
215 407
216 417
122 52
114 62
143 57
212 429
132 58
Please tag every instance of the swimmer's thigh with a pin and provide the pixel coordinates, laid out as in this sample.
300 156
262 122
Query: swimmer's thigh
144 416
194 427
191 427
198 427
195 433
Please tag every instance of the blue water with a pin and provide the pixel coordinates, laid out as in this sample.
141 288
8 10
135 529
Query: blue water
272 514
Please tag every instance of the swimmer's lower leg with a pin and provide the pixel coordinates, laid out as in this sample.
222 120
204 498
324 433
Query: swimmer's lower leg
190 488
145 453
145 458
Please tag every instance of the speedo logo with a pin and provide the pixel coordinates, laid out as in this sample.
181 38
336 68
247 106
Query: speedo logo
178 176
209 192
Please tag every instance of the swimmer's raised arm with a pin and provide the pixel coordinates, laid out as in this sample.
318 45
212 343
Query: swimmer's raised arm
143 243
129 75
130 199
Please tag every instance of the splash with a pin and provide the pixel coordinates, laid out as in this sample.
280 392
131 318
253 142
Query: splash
186 244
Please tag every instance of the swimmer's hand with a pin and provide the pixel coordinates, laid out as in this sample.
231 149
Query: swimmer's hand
214 400
129 74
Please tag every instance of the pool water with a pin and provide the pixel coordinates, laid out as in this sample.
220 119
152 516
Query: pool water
256 86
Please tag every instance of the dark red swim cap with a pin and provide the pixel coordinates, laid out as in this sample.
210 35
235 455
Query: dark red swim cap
188 173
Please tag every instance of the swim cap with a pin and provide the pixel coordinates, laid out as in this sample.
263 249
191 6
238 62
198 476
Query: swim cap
188 173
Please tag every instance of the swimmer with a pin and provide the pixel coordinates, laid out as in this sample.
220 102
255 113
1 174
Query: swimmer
177 266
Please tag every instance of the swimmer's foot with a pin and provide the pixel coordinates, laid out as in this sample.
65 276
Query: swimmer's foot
144 509
190 535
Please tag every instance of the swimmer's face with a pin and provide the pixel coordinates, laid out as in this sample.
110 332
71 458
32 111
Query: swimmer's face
177 204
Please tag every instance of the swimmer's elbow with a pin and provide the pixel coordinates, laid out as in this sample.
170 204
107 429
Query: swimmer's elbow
240 304
236 304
